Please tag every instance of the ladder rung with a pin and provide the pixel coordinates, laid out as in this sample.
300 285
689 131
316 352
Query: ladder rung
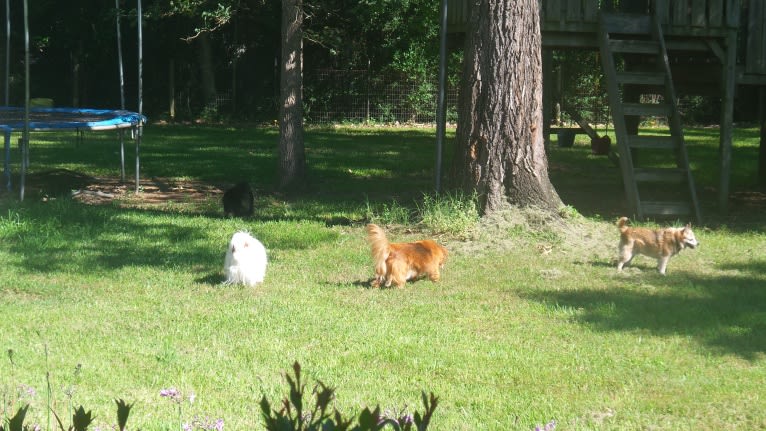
646 109
666 208
653 142
657 175
643 78
624 23
634 46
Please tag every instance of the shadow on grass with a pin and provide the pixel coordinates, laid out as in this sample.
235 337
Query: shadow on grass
212 279
724 313
70 237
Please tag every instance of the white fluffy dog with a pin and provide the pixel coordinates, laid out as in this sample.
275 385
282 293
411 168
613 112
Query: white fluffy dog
245 260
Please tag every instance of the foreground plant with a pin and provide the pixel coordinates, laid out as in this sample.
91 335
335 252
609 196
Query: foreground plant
295 415
16 423
81 419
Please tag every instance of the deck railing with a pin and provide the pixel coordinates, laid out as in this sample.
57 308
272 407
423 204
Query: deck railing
678 15
679 18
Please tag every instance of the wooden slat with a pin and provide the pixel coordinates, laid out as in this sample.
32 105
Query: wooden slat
662 11
652 142
698 13
641 78
574 13
624 26
552 10
634 46
626 23
755 58
660 175
715 13
646 109
620 130
680 15
590 10
666 208
732 13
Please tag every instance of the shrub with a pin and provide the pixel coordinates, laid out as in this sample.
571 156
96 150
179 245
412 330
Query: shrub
296 415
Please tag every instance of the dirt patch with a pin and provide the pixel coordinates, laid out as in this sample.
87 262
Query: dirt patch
153 192
541 231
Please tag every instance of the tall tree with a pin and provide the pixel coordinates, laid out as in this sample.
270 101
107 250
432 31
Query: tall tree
500 150
292 157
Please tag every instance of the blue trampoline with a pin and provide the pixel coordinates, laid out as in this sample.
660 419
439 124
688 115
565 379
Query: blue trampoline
52 119
27 118
69 118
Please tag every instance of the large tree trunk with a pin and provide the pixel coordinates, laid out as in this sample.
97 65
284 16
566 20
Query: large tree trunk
292 158
500 149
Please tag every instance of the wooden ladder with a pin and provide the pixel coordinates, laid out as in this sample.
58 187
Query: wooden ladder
655 167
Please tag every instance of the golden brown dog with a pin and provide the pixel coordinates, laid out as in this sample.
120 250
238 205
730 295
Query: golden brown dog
660 244
398 262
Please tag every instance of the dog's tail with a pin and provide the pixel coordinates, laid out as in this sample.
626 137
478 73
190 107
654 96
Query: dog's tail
621 224
379 243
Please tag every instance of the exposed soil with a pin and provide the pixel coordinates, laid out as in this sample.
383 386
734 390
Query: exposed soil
154 192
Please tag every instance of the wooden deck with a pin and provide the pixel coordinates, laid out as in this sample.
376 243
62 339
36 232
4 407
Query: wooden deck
688 25
729 34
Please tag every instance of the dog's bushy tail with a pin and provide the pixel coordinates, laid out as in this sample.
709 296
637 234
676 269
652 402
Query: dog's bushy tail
621 224
379 243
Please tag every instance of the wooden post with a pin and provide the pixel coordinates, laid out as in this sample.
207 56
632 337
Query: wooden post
762 145
547 96
727 117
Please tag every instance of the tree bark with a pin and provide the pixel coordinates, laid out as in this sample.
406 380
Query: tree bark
500 150
292 158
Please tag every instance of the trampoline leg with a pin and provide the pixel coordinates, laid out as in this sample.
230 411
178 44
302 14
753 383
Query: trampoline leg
138 164
7 163
122 155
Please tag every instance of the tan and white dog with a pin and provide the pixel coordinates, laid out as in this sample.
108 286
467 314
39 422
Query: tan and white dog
661 244
245 260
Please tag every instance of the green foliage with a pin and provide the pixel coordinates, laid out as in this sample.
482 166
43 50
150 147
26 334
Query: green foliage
123 411
16 423
296 415
388 213
81 420
524 310
582 88
451 212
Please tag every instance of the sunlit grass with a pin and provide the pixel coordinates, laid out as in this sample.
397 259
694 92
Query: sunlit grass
530 322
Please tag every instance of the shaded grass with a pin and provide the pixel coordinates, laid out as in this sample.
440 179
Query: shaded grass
593 184
529 323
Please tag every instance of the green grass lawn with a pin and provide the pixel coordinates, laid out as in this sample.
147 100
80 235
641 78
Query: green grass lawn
530 322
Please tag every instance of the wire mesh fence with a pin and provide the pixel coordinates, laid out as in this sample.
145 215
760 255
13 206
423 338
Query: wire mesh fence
333 96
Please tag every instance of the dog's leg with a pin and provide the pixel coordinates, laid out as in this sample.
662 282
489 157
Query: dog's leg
662 263
624 261
434 274
626 255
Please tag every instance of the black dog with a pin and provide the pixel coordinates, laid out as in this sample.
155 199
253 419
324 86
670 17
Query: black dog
238 201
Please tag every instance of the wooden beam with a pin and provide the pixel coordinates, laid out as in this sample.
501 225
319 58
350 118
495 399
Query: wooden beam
727 119
762 145
582 123
547 57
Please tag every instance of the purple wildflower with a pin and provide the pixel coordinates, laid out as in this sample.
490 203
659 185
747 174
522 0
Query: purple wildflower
171 393
550 426
406 419
28 390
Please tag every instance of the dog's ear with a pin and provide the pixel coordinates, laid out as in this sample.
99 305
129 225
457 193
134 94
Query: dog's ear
688 226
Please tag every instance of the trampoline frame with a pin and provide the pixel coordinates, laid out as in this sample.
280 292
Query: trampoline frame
78 119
